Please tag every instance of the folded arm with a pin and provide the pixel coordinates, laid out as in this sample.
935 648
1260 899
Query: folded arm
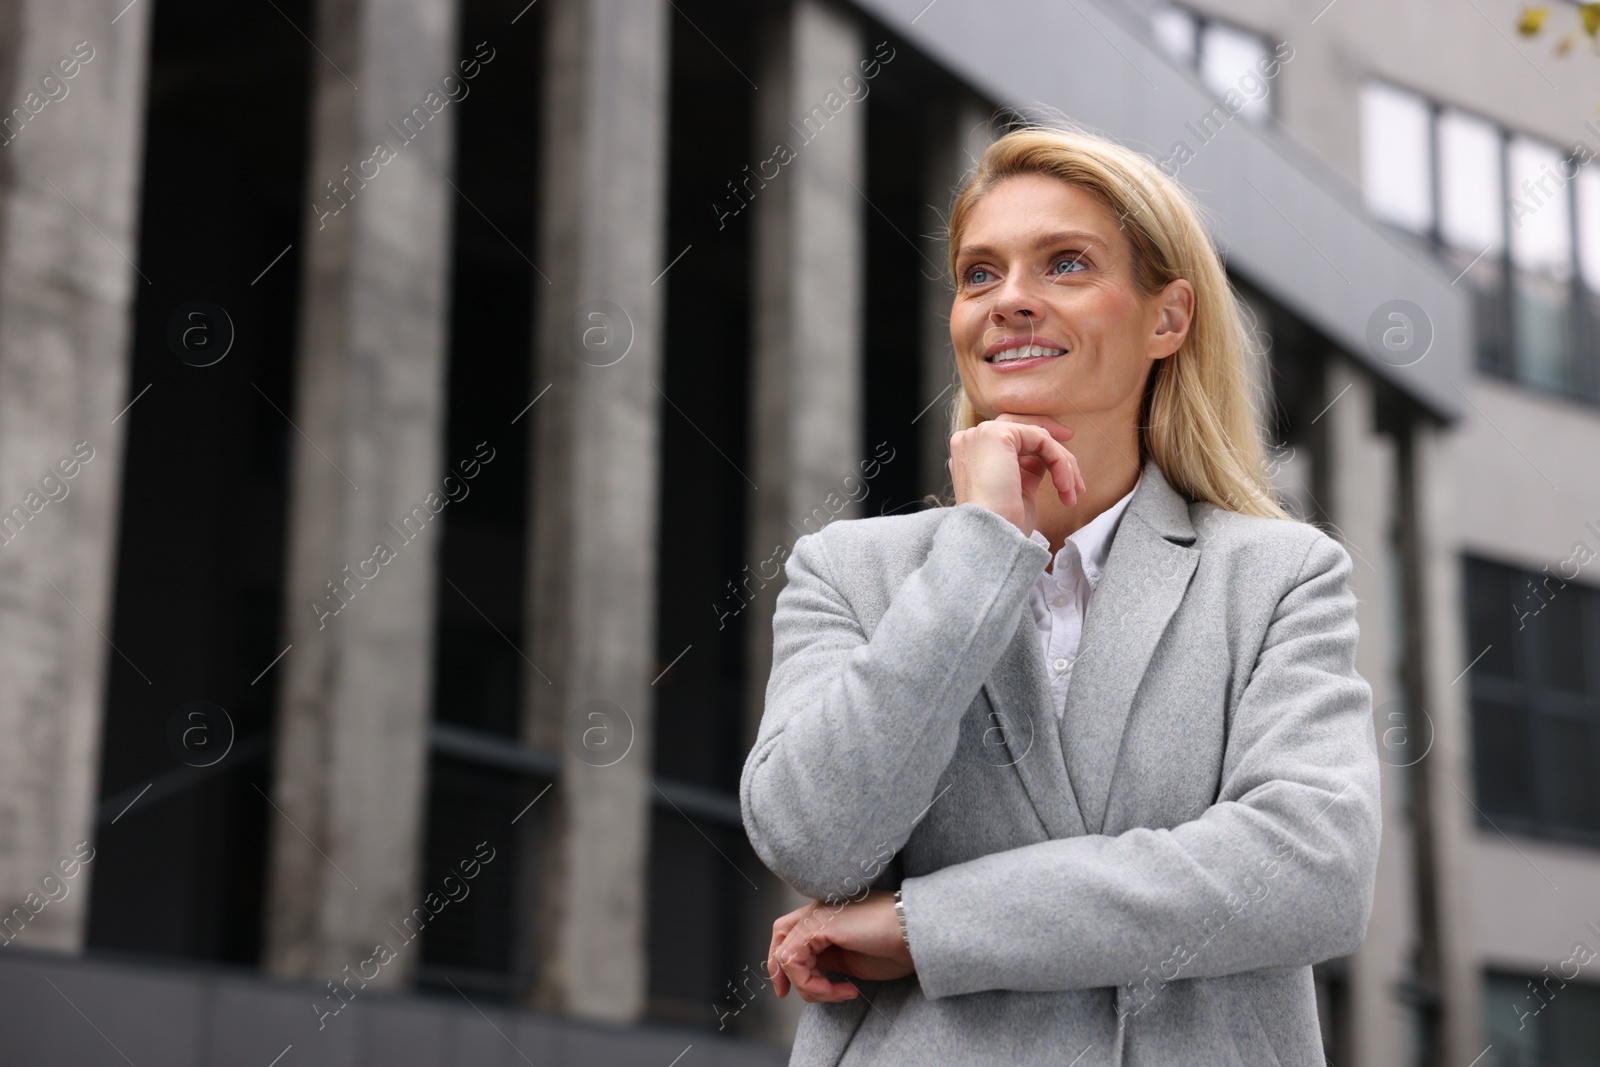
1278 872
856 731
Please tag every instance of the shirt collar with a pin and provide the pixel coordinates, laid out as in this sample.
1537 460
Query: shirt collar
1093 539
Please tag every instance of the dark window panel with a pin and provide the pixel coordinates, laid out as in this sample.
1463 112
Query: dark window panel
1539 1020
198 585
892 321
699 701
1536 722
469 819
1560 634
1509 1023
701 902
479 621
476 942
1495 613
1571 764
1572 1024
1503 757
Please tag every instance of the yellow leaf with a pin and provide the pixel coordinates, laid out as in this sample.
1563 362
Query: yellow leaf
1591 18
1532 19
1564 45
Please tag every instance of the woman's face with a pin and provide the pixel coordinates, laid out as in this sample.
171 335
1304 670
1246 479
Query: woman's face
1043 263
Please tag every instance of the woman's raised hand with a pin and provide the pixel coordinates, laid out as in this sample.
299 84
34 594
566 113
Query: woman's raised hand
1000 462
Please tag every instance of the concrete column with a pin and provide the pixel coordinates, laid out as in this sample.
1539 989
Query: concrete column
809 252
352 723
591 601
71 144
1361 490
957 136
1449 727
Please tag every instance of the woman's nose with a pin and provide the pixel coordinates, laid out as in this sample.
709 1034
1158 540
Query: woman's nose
1005 312
1012 301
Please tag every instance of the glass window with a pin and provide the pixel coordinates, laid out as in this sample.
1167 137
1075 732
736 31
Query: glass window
1494 605
1541 216
1231 62
1541 255
1500 737
1535 712
1541 1020
1571 764
1396 156
1572 1034
1513 220
1471 192
1541 310
1564 666
1176 33
1508 1005
1589 225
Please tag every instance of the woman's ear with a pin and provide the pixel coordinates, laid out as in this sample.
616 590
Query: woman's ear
1172 324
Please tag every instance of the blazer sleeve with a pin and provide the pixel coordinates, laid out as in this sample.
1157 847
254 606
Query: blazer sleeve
1278 872
857 729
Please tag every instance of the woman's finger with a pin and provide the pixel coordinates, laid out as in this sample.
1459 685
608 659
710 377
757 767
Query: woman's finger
780 981
988 468
780 930
804 920
1064 469
1063 465
799 957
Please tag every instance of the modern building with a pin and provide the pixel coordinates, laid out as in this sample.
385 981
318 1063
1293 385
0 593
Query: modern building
405 408
1471 142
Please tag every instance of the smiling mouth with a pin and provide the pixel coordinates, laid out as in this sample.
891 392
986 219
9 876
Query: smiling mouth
1020 352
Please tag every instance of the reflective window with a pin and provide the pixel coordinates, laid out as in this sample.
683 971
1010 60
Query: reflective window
1228 58
1516 220
1541 253
1472 206
1231 61
1177 32
1589 225
1541 217
1397 156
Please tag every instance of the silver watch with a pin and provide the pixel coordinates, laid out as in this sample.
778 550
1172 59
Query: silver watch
900 913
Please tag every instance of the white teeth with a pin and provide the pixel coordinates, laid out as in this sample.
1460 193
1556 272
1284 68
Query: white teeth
1026 352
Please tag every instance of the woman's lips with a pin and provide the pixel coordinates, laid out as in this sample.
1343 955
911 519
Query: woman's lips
1024 351
1020 364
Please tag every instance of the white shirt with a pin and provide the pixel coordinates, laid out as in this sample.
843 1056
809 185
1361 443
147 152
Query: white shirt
1060 597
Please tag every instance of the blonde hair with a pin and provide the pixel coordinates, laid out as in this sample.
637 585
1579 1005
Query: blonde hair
1199 416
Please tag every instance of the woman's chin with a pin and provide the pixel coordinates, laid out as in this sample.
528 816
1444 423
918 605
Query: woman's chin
1047 402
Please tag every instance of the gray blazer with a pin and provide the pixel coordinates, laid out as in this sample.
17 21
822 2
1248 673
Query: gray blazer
1144 881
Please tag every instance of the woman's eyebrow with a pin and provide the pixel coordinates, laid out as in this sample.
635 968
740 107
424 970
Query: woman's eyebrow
1038 242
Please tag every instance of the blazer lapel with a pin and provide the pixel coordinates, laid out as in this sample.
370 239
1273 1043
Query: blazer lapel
1145 577
1025 718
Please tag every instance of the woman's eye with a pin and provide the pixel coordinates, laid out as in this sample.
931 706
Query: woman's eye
1069 261
977 276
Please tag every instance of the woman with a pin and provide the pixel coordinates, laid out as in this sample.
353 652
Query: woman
1139 868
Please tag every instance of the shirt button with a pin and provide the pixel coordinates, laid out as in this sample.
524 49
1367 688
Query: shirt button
1061 665
1060 601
